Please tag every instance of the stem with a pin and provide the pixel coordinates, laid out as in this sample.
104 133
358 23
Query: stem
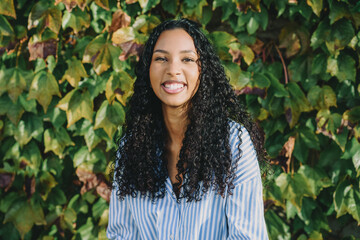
283 63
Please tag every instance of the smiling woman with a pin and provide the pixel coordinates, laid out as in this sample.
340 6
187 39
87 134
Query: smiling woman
186 167
174 71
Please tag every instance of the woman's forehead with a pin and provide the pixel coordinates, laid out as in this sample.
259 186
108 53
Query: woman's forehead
175 40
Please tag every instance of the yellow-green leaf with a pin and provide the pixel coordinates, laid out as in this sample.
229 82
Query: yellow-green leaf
145 24
119 86
110 117
31 156
56 140
47 182
19 213
74 73
316 6
45 15
7 8
103 3
239 51
123 35
77 104
16 82
43 87
102 54
295 104
322 97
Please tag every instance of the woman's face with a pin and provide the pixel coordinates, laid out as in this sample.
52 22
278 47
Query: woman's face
174 72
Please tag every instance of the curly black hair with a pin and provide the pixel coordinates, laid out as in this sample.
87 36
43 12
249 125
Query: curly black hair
141 164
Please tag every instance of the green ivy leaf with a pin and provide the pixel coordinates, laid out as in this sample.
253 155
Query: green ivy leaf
277 87
227 7
321 33
119 86
110 117
347 199
316 179
193 8
74 73
346 68
341 35
69 218
31 156
87 231
45 15
43 87
78 204
77 20
55 115
99 207
338 10
319 64
294 188
91 161
30 126
170 6
56 140
252 25
77 104
352 151
278 227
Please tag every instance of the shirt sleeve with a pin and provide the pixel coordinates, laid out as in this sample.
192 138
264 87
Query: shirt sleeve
245 208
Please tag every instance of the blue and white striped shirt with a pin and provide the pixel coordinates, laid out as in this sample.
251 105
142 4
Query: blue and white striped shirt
236 216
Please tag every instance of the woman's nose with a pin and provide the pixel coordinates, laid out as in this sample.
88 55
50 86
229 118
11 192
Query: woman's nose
173 68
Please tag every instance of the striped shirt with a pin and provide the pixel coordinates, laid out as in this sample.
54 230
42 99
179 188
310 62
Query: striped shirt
236 216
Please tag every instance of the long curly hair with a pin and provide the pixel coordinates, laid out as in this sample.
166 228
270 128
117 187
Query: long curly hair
141 164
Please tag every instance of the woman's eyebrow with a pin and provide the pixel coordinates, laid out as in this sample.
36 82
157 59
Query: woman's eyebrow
182 51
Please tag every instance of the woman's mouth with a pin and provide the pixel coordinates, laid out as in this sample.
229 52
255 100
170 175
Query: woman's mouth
173 87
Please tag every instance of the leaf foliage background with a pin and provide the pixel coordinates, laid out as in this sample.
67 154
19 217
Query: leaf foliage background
67 69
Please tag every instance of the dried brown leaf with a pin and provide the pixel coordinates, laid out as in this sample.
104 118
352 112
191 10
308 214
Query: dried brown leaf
130 48
6 180
42 49
70 4
120 19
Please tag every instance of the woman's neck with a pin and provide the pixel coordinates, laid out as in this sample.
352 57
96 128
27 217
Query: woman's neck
176 122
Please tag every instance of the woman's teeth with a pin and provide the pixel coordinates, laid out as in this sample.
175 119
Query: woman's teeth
173 86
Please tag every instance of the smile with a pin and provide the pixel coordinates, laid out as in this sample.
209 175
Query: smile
173 87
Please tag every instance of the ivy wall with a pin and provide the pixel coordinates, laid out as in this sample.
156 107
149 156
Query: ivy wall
67 69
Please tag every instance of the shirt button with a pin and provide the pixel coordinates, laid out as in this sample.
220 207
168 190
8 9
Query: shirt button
171 237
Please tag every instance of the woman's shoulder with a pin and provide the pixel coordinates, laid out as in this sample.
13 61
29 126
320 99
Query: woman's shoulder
243 152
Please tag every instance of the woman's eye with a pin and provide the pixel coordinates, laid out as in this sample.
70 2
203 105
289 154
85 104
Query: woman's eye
160 59
188 60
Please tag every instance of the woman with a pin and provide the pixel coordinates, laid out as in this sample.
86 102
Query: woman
184 169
